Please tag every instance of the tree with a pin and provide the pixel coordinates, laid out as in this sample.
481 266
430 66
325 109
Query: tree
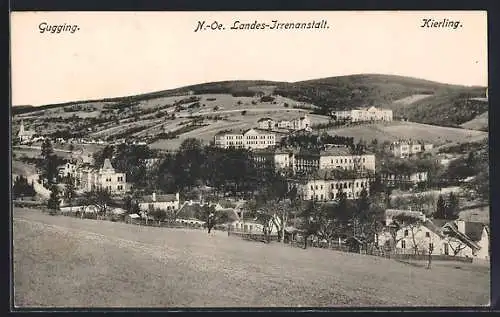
69 189
54 200
158 214
47 149
452 210
411 224
22 188
440 208
99 198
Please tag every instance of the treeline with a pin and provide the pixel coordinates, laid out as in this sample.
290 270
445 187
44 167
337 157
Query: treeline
450 108
317 142
193 166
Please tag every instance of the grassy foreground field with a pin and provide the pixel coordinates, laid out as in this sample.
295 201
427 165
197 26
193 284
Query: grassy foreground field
68 262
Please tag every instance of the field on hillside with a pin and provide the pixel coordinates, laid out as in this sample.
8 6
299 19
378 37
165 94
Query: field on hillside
68 262
478 123
410 99
234 121
410 130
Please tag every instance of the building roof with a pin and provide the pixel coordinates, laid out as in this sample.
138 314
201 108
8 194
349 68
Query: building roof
433 227
107 165
265 119
336 151
396 212
474 230
463 236
159 198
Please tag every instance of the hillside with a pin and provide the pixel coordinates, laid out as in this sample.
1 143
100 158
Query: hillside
447 108
410 130
171 114
478 123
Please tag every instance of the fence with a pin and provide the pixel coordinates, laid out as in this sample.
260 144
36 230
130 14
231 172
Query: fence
123 218
334 245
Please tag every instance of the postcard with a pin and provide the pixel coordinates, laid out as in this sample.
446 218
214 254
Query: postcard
250 159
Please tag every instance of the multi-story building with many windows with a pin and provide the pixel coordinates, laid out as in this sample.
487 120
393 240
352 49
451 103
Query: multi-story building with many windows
106 177
305 161
326 185
249 139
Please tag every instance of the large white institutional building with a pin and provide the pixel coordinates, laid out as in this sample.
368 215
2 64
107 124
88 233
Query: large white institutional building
363 114
249 139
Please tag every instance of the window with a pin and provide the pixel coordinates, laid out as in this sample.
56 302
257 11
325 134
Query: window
403 244
316 186
427 235
406 233
120 179
120 187
431 246
321 186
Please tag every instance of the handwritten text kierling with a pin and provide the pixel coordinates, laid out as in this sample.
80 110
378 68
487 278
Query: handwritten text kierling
261 26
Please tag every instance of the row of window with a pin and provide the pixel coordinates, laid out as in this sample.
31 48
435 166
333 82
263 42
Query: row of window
403 245
334 196
344 161
342 185
118 179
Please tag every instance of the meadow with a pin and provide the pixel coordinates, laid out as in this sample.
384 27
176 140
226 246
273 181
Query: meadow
396 130
68 262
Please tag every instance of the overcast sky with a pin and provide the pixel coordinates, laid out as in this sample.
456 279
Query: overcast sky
118 53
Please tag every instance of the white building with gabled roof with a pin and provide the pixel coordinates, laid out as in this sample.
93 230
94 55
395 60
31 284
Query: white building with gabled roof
363 114
249 139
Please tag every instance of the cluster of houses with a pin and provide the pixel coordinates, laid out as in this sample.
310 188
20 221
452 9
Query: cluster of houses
297 124
407 148
25 135
263 136
363 115
88 178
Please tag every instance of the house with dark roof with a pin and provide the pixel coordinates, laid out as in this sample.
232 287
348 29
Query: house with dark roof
446 237
473 237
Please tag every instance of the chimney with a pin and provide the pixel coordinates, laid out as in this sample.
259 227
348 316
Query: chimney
460 226
154 196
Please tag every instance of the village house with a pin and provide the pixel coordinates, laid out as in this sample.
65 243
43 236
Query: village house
105 177
452 238
66 170
24 135
473 237
410 178
266 123
363 114
165 202
326 186
407 148
300 123
249 139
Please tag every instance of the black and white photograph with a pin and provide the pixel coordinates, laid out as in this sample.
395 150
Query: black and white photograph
249 159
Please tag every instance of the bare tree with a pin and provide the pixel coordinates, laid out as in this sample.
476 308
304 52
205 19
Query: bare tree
413 225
